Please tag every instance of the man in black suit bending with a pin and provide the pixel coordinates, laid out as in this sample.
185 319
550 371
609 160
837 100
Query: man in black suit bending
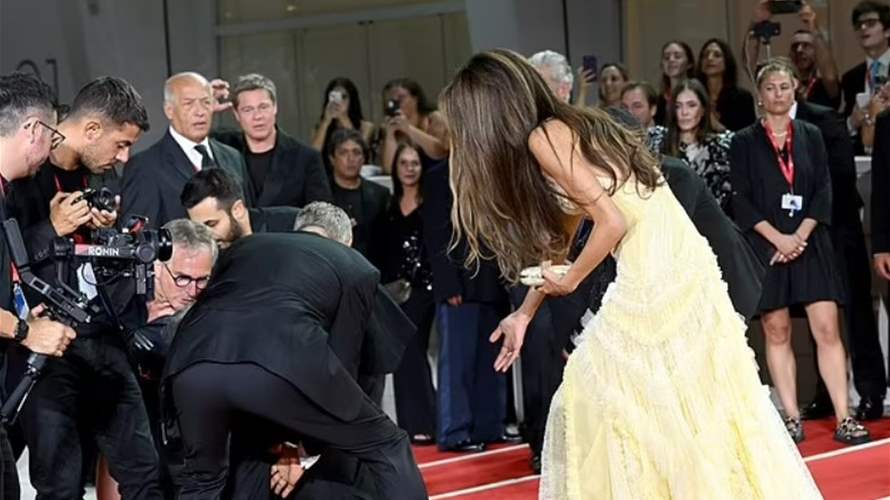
283 171
154 178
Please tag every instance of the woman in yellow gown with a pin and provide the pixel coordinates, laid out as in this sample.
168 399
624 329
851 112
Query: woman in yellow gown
661 399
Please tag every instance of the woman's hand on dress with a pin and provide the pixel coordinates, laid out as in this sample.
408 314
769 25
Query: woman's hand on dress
512 329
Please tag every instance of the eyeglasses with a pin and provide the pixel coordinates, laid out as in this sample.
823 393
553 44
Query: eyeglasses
56 137
863 24
183 281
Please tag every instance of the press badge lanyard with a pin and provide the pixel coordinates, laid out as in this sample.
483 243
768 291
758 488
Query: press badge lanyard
22 310
790 201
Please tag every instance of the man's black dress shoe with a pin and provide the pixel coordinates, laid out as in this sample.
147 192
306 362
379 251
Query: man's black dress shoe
465 446
536 464
869 409
817 409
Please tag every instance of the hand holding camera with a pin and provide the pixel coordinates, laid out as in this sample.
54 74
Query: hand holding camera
46 336
69 211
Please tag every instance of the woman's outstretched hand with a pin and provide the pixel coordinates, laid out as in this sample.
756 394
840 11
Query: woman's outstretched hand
512 329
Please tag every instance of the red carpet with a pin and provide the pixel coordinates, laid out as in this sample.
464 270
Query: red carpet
503 472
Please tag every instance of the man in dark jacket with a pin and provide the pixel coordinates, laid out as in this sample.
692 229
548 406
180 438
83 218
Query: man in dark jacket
283 171
153 179
256 343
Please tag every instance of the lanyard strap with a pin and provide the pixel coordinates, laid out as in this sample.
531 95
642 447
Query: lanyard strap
786 166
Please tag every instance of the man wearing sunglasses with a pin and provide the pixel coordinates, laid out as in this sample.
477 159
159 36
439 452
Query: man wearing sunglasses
871 22
27 118
91 393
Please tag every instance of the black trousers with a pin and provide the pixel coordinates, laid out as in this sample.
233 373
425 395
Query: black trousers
541 370
413 381
90 393
9 478
858 313
249 407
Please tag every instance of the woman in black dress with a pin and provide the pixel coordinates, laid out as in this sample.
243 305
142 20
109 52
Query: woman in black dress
400 255
782 197
731 106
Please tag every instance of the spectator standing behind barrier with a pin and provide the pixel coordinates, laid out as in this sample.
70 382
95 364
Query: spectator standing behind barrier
731 106
810 54
399 252
341 108
871 23
154 178
782 197
364 201
409 114
693 137
641 100
677 63
282 170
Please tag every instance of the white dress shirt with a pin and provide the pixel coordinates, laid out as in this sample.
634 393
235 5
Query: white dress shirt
188 147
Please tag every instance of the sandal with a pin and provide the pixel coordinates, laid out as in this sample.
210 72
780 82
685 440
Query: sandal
795 429
849 431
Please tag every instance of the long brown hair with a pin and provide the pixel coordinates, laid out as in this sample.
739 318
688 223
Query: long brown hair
504 207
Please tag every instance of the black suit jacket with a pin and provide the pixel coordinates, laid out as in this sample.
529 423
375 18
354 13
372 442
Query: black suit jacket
450 277
296 175
880 182
153 179
845 198
296 304
272 219
852 83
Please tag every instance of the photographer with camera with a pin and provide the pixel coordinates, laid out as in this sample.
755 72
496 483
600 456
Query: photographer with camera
27 134
810 52
92 392
409 114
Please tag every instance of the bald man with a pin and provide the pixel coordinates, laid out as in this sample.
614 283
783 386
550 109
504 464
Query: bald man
154 178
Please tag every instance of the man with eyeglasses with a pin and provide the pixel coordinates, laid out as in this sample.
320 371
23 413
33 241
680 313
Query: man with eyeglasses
283 171
27 134
177 284
91 393
871 21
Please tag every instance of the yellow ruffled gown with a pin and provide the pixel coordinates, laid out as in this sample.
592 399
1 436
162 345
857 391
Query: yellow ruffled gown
661 399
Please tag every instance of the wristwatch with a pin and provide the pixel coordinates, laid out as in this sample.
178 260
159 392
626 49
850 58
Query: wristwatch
21 331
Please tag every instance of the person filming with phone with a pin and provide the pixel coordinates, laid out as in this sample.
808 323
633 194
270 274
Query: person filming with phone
341 109
409 114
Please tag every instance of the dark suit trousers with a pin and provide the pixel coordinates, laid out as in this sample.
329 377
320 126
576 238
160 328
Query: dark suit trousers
90 392
541 370
858 314
413 381
9 478
472 396
211 401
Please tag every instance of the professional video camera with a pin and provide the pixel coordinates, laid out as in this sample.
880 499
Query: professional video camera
129 253
126 254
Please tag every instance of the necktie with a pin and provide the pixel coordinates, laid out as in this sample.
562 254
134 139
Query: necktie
206 160
874 72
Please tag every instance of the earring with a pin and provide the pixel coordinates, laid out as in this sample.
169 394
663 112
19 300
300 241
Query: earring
759 104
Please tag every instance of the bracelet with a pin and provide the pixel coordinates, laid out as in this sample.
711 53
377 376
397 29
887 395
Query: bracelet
21 331
868 120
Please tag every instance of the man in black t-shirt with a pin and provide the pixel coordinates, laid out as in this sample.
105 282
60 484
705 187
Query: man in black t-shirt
282 170
90 393
364 201
27 133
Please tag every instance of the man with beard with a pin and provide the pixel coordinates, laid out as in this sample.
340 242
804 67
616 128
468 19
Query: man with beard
214 197
91 393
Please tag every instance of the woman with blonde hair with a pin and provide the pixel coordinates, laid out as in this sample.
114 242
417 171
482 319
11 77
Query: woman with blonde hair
661 399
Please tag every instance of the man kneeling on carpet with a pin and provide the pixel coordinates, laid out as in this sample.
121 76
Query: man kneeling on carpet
250 367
